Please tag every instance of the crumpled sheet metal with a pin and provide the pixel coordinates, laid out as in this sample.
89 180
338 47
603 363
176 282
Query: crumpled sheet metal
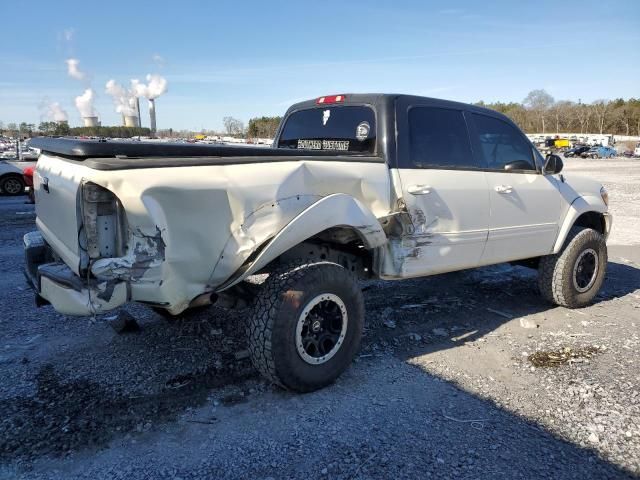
212 218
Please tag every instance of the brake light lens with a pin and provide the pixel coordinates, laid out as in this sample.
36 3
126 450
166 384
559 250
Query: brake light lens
331 99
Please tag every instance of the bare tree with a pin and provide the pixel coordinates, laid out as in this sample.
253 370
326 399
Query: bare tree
582 114
233 126
600 109
561 114
539 102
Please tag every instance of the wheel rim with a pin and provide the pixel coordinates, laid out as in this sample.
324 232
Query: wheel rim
12 186
321 328
585 270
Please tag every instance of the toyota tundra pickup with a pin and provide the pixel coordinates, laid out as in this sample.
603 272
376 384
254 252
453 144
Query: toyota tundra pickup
356 186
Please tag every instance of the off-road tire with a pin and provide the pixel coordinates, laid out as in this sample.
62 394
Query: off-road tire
8 185
271 327
556 272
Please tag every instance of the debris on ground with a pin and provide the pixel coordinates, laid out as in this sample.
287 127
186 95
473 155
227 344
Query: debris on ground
560 357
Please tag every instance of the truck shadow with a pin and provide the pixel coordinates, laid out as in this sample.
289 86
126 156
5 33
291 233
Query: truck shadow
467 305
69 412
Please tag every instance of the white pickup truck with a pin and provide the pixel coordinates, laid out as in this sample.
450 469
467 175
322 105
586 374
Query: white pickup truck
356 186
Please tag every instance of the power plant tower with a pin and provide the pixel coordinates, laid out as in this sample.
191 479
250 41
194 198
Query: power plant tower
139 124
90 121
130 121
152 116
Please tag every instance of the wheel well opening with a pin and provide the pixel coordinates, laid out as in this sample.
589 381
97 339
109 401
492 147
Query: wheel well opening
593 220
342 245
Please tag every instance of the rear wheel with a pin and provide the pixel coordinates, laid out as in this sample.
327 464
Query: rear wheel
306 325
573 277
12 185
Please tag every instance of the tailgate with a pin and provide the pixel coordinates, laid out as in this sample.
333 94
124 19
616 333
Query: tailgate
56 184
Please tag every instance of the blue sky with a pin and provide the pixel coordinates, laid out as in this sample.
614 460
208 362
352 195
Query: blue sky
251 58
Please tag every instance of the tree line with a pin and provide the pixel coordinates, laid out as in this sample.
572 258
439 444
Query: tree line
539 112
61 129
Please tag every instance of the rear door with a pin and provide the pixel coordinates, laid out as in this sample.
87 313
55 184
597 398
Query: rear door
525 204
444 189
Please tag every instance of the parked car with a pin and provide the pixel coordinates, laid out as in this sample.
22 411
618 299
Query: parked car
636 151
599 152
357 186
577 151
11 179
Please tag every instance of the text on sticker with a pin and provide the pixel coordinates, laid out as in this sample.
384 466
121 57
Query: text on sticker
342 145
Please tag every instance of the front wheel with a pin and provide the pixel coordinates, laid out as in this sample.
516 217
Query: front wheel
306 325
12 185
573 277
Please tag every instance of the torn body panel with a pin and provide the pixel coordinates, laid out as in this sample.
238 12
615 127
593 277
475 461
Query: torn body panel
189 229
334 210
145 252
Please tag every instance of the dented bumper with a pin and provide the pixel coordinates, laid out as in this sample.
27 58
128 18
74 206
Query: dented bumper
55 283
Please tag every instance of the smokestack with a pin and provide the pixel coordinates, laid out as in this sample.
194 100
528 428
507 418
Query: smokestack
130 121
152 115
139 124
90 121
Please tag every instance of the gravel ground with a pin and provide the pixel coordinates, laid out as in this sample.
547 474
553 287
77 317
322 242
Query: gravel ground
444 386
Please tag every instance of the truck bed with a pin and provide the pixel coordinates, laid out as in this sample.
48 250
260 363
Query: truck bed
120 155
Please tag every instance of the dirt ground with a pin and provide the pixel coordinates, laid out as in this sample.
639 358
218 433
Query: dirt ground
445 386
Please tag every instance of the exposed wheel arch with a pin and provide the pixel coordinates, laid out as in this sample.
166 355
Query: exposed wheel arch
586 211
593 220
337 218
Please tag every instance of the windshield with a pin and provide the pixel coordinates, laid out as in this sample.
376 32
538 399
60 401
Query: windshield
337 128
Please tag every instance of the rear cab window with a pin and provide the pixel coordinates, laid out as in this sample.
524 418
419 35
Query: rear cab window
338 128
438 138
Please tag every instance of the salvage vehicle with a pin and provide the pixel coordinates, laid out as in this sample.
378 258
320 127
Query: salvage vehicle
576 151
356 187
599 152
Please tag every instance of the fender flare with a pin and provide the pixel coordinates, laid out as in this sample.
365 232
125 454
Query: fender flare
336 210
580 205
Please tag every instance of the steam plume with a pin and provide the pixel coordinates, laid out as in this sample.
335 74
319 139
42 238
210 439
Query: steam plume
84 103
156 85
123 99
52 111
74 70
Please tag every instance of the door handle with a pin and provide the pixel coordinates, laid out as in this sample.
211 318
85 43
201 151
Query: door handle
504 188
419 189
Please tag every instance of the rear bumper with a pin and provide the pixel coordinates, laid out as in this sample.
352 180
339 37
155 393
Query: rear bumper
55 283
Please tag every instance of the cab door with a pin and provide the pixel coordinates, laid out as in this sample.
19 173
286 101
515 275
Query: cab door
525 204
445 192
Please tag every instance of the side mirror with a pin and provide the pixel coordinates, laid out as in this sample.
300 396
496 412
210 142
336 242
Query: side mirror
553 164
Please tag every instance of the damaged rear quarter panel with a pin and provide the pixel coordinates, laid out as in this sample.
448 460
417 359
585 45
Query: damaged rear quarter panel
209 219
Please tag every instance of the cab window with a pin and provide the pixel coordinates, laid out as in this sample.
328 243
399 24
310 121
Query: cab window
438 138
335 128
502 146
